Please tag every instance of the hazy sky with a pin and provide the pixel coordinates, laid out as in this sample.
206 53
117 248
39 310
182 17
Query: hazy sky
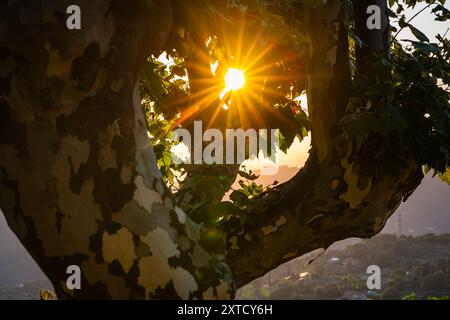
425 22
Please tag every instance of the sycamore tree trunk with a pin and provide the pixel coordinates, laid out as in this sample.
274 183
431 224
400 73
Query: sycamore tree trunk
78 179
79 182
334 196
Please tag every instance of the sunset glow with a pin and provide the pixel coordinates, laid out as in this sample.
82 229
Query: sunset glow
234 79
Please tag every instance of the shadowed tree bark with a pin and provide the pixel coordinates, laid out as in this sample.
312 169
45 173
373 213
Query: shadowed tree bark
78 179
79 182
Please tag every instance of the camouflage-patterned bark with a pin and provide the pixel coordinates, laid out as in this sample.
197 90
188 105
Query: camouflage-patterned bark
79 183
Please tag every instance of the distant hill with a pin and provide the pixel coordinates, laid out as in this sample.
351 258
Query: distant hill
418 265
426 211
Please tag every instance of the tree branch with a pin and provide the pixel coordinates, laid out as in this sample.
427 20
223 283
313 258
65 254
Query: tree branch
334 196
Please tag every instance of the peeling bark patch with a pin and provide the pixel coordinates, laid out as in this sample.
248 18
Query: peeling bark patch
200 257
162 217
317 216
98 275
76 150
334 184
354 194
162 248
135 218
331 56
233 242
218 292
378 225
117 85
142 250
57 66
126 174
164 293
273 228
108 155
84 69
160 243
145 196
120 247
180 215
77 224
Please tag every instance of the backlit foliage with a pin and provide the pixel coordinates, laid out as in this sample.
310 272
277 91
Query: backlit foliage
408 109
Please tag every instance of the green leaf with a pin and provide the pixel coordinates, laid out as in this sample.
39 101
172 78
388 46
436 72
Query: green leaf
238 196
424 47
248 175
418 34
167 158
442 13
411 296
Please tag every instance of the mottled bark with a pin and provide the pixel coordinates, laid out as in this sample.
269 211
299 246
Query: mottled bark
334 196
78 179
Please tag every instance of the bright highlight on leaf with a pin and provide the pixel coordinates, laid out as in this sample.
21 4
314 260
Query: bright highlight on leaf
234 79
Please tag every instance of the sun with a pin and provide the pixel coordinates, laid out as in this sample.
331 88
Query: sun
234 79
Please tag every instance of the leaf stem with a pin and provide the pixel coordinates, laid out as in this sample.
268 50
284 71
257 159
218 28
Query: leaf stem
407 22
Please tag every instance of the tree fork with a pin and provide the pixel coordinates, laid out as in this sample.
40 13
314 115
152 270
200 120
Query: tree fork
332 197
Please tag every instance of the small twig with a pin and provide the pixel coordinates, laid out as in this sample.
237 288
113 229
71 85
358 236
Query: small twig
407 22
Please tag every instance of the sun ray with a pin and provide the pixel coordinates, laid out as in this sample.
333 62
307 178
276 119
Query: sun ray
258 57
240 41
246 80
